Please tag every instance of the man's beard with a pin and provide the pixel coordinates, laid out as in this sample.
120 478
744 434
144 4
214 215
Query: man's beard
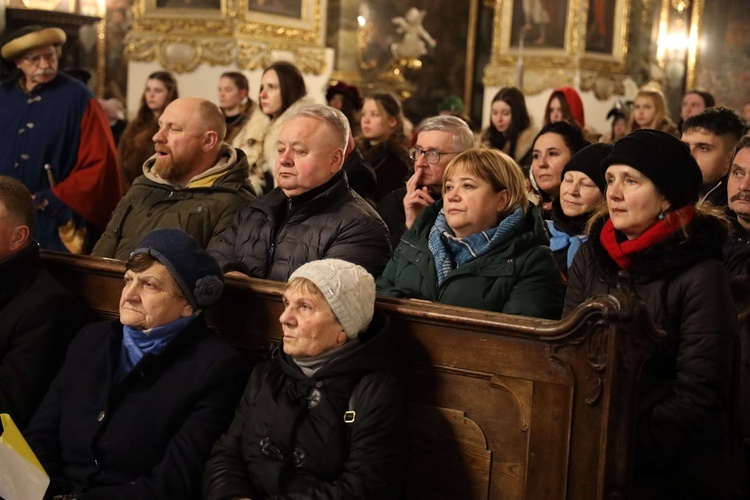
169 169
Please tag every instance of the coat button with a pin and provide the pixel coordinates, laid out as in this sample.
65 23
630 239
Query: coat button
100 417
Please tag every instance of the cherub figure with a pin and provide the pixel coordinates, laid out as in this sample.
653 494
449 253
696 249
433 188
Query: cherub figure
411 45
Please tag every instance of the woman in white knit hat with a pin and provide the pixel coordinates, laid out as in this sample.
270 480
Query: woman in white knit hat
325 417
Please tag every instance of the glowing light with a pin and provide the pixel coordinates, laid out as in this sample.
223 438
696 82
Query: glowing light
361 20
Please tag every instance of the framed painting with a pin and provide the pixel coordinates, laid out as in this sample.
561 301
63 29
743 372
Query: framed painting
288 20
537 26
184 9
606 30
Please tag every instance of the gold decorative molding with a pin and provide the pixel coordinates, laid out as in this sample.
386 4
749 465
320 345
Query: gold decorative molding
307 29
252 54
535 81
604 85
696 21
194 27
179 54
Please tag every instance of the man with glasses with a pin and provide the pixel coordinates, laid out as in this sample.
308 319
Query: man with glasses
56 140
439 140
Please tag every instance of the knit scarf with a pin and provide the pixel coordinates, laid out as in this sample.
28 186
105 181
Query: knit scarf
622 253
451 252
138 343
560 240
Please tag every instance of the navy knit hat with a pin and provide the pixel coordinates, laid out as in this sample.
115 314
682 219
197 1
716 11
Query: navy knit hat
588 161
194 270
664 159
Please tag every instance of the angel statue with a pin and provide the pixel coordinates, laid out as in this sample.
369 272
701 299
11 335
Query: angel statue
411 45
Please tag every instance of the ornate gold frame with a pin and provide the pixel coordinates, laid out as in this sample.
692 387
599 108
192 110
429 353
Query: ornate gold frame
545 67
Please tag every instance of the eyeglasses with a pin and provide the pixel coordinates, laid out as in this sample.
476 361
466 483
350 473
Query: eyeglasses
431 155
50 57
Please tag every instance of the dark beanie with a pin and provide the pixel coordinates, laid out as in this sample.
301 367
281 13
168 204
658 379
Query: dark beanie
194 270
664 159
588 161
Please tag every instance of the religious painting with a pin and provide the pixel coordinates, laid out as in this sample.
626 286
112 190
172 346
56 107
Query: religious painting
539 24
606 24
291 20
181 9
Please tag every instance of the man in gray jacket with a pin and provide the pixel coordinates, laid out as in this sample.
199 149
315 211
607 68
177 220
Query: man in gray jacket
194 182
311 214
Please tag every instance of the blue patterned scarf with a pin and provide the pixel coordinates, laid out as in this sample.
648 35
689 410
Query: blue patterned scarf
451 252
138 343
561 240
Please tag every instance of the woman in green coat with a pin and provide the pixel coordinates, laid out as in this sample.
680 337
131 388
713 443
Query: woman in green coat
482 246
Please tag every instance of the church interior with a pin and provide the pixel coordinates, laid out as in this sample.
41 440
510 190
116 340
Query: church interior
427 52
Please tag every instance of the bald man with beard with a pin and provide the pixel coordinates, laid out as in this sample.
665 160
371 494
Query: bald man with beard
194 181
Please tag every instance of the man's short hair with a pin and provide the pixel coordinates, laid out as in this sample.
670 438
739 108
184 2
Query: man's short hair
722 122
742 144
17 202
212 118
463 137
332 117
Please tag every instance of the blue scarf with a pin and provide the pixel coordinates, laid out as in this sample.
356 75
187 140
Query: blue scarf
138 343
451 252
561 240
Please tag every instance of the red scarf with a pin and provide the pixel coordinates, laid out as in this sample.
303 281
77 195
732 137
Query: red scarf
622 253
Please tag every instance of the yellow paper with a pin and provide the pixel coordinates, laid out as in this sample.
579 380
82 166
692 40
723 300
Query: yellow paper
12 438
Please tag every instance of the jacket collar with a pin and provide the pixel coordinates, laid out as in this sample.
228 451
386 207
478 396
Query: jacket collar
17 268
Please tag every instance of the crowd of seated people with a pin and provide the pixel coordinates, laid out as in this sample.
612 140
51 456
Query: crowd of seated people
265 191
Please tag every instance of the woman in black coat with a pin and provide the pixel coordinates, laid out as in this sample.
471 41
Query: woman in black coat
654 239
325 417
139 402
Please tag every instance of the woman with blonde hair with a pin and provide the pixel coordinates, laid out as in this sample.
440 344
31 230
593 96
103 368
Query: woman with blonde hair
383 142
483 245
650 112
136 145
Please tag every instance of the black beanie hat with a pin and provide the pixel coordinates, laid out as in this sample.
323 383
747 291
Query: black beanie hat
664 159
194 270
588 161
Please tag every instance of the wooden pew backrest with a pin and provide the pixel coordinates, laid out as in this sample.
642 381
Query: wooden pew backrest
500 406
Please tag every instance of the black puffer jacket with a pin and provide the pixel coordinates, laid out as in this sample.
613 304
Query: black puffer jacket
684 390
310 452
274 235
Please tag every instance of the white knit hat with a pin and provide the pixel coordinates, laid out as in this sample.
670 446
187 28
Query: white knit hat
348 288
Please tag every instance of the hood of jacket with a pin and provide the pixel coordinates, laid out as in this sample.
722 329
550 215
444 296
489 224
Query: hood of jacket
230 171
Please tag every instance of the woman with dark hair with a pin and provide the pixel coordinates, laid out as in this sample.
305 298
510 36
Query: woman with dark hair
654 240
383 143
483 245
246 123
581 193
136 146
553 147
510 129
346 99
282 89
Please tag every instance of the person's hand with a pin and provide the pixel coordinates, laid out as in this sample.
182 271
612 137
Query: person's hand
416 198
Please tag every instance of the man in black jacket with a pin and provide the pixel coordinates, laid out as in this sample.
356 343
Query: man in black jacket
38 317
312 213
711 136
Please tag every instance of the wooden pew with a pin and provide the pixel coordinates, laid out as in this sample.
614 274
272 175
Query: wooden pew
501 407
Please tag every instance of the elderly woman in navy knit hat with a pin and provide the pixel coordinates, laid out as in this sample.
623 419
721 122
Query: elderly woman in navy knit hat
581 193
656 240
138 403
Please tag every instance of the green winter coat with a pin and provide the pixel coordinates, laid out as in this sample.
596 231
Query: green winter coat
518 277
203 209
